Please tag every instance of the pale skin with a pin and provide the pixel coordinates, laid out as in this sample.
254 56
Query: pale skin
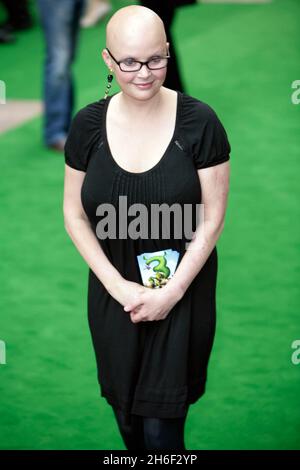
128 35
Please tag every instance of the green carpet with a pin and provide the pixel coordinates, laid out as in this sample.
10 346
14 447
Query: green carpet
242 61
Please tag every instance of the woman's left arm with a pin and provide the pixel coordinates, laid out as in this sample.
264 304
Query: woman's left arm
214 182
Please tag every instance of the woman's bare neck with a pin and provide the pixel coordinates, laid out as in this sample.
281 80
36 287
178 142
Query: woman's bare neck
141 110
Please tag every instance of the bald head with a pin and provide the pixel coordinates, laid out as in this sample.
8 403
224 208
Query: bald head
135 29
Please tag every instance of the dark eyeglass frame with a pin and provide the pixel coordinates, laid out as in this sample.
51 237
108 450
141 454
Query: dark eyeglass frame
139 62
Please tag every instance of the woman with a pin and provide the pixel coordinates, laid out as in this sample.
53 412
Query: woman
153 146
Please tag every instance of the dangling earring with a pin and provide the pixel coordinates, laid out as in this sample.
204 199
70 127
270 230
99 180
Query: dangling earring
108 85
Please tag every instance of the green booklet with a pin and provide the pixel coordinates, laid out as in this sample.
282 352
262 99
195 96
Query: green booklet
158 267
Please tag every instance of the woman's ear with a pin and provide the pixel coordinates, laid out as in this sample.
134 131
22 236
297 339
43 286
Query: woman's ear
106 58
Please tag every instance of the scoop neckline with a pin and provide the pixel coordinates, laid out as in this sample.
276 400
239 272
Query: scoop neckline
159 163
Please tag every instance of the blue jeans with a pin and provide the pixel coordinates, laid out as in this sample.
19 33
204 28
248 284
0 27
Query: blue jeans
60 22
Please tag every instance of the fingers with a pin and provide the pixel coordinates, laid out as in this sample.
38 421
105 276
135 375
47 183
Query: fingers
136 315
136 318
132 306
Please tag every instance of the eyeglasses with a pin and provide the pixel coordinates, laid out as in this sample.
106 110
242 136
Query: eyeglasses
132 65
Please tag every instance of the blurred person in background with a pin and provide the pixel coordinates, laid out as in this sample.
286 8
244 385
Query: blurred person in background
166 11
60 20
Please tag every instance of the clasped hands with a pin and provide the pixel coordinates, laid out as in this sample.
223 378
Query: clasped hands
146 304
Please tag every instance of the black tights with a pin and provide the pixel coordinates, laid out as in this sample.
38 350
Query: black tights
141 433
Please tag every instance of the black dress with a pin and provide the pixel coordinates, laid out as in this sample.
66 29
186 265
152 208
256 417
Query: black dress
150 368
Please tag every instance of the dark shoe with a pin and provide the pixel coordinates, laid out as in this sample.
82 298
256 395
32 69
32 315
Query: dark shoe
6 36
19 25
23 25
58 146
6 25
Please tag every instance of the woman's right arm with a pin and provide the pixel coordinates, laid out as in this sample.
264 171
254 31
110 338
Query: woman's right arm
79 229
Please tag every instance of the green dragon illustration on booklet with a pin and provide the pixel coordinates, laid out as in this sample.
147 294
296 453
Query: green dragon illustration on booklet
162 270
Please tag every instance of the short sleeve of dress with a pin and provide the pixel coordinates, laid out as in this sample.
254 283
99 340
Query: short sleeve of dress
76 149
212 146
84 133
